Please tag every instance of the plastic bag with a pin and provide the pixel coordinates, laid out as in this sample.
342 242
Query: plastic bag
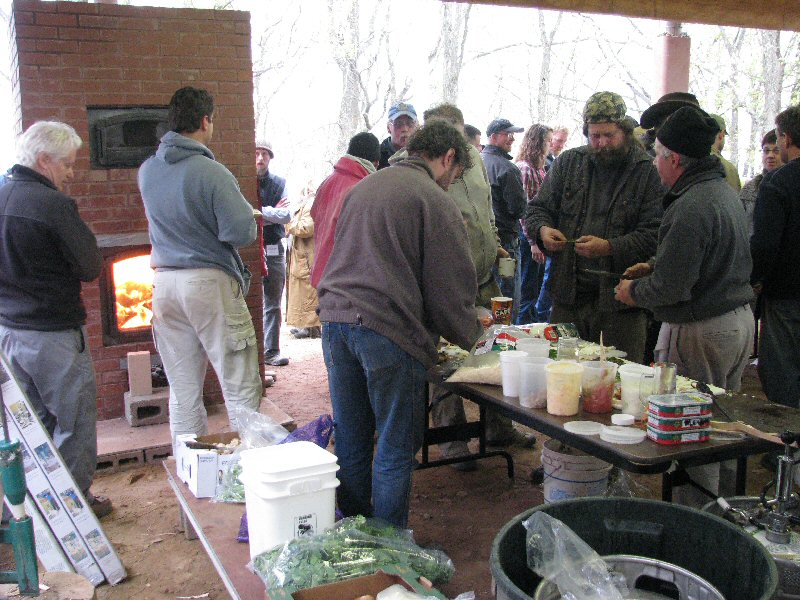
483 363
353 547
623 485
557 553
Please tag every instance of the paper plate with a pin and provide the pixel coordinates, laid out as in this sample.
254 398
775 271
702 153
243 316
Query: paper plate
622 435
583 427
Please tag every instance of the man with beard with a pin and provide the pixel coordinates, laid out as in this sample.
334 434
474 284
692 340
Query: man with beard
399 277
598 209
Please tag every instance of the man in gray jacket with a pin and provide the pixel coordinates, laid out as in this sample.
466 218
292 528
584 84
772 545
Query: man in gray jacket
598 209
399 277
197 219
699 285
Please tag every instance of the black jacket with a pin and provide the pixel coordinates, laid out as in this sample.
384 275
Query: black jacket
46 250
387 151
271 189
776 230
508 195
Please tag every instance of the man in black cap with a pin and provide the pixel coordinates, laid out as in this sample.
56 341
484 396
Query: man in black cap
508 198
699 284
598 210
402 124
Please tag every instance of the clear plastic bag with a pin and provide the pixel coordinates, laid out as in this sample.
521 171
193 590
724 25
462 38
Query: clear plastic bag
483 363
557 553
353 547
623 485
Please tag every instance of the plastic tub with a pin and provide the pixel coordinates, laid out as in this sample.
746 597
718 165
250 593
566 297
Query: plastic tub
533 382
597 385
534 347
289 492
570 473
629 377
509 370
710 547
563 388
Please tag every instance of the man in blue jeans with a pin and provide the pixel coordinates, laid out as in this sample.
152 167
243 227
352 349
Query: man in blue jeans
400 275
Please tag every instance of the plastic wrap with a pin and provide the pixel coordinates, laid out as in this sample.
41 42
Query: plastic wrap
557 553
355 546
483 363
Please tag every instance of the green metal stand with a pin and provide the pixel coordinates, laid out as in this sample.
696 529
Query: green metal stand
19 531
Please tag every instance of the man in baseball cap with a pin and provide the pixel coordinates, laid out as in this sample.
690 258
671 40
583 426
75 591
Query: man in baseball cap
731 172
402 123
699 284
598 209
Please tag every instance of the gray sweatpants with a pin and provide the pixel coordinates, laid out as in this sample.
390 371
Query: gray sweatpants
55 371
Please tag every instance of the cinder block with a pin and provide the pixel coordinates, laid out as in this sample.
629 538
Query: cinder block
117 461
157 454
147 410
140 383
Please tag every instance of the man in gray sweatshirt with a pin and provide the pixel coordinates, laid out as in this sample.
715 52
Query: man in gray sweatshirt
197 219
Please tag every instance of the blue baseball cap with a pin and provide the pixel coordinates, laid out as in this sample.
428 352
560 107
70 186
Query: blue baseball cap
501 125
400 109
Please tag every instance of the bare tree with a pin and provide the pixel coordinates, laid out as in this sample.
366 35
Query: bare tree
448 53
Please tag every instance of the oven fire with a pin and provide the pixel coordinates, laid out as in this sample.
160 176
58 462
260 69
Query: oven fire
133 291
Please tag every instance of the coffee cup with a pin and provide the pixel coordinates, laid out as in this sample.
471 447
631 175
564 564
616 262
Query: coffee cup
506 267
501 310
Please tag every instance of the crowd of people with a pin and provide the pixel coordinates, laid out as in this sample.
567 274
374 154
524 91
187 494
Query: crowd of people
641 235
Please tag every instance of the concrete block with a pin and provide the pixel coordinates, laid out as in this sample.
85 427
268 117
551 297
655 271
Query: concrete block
158 453
140 383
147 410
117 461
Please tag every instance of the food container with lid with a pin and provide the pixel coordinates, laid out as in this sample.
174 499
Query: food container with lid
678 437
692 404
679 423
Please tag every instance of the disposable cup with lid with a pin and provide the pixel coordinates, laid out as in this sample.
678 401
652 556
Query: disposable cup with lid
509 370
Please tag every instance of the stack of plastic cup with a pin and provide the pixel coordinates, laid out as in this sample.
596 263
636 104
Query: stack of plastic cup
509 369
534 347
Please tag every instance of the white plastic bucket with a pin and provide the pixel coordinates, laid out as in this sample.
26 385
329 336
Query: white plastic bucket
570 473
290 491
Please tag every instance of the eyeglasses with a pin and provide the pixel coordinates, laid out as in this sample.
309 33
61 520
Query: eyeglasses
770 150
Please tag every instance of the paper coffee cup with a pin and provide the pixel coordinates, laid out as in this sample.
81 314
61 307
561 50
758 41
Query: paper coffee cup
506 267
501 310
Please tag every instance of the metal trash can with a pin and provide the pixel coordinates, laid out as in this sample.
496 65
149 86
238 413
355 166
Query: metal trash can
706 545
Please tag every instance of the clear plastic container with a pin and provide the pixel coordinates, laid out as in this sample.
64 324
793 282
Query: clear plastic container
509 370
563 388
597 385
534 347
533 381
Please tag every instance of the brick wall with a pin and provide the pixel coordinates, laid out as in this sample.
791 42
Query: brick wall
70 55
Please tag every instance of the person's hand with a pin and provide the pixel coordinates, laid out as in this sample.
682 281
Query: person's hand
622 292
502 252
590 246
537 255
282 203
637 271
552 238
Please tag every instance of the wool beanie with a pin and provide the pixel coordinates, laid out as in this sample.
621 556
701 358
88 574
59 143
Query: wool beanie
688 131
365 145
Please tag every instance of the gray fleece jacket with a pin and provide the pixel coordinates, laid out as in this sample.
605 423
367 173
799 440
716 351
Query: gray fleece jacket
401 264
196 214
703 263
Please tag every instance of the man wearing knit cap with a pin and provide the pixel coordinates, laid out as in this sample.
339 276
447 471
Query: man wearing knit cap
699 284
598 209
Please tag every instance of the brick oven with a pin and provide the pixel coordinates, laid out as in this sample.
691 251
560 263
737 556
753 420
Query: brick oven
89 65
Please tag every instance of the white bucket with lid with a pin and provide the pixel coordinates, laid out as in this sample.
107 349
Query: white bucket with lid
570 473
290 491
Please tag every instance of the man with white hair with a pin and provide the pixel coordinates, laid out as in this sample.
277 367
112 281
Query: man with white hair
46 251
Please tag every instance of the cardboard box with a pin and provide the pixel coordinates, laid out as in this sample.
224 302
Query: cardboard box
202 470
53 490
360 586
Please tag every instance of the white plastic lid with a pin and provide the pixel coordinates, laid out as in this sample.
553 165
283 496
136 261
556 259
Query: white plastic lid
583 427
622 419
622 435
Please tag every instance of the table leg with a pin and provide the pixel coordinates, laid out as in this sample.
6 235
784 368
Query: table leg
741 476
185 526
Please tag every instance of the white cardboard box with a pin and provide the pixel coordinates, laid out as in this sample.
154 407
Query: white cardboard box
202 470
53 489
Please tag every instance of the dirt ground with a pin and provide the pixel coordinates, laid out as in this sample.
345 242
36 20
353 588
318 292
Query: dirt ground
458 512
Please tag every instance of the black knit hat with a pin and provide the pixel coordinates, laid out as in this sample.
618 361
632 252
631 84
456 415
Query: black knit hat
666 105
688 131
365 145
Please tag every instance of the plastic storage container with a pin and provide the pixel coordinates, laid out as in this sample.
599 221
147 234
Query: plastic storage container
563 388
597 385
710 547
533 382
509 370
289 492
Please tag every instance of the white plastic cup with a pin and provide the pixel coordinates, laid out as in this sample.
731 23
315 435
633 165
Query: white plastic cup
533 381
534 347
629 378
509 369
563 388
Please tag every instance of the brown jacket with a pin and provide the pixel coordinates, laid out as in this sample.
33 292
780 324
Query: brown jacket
302 297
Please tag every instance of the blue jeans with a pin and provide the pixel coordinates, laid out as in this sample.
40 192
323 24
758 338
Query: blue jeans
375 386
529 283
273 291
779 350
545 303
510 286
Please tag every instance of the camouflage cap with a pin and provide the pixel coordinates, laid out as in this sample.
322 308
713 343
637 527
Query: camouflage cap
604 107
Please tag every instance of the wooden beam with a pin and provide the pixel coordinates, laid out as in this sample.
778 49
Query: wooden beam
776 14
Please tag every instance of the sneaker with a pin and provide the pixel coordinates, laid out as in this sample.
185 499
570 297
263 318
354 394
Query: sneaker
276 360
300 334
100 505
517 438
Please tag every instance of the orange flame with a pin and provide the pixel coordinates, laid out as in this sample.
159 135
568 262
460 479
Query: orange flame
133 289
